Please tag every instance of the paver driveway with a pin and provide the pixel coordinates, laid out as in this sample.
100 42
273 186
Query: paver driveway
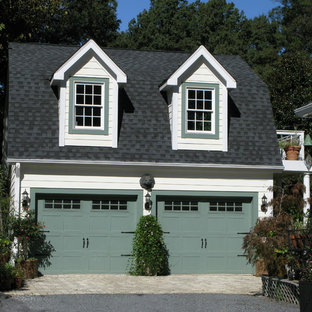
244 284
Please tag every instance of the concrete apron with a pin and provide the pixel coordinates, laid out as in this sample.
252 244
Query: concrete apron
244 284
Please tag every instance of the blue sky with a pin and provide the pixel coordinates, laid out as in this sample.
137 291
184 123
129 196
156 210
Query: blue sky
128 9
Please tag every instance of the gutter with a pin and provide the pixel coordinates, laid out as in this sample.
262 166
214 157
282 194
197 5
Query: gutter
143 164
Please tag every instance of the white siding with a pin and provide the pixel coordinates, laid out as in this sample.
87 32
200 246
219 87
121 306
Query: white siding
204 75
121 178
92 69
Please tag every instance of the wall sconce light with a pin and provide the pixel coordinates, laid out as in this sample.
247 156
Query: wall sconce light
148 202
25 199
264 206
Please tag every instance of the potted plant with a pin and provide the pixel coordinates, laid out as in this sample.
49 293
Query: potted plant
6 276
5 249
19 276
305 289
291 147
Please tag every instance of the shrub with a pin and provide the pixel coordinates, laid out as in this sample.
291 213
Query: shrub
268 240
150 255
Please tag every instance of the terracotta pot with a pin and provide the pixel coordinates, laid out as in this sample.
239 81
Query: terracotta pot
261 268
18 282
30 268
292 152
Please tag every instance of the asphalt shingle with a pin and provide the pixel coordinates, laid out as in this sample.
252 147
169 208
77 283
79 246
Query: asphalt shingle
145 132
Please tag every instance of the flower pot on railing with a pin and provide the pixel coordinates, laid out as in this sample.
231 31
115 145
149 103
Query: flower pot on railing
292 152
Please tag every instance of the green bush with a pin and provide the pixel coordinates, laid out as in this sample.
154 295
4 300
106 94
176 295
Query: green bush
150 255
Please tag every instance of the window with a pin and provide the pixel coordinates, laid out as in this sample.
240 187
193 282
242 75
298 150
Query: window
185 205
109 204
88 113
88 105
224 206
200 110
62 204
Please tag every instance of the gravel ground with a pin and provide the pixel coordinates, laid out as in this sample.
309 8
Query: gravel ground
142 303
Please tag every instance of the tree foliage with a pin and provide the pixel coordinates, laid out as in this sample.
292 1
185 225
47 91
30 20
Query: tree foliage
150 255
290 85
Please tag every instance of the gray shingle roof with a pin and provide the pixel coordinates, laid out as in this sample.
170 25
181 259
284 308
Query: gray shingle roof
145 132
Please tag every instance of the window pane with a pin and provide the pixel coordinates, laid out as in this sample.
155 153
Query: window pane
88 111
79 99
199 126
200 104
200 94
191 104
208 95
191 94
88 99
191 125
207 126
199 116
96 122
207 116
97 100
88 89
208 105
191 115
79 121
97 90
96 111
88 121
80 88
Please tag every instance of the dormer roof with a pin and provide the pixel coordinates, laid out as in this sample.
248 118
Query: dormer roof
200 54
89 48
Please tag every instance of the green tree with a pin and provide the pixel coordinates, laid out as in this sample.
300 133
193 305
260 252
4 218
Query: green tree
290 84
295 20
150 255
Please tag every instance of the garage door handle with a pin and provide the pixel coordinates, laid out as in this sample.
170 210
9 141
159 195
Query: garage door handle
83 243
87 242
202 243
205 242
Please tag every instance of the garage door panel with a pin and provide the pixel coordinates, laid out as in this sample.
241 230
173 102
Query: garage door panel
98 263
87 234
218 222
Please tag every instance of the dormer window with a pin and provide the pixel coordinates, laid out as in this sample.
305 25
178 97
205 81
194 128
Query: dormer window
200 110
88 105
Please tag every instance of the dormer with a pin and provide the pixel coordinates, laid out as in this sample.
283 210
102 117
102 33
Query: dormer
88 84
198 103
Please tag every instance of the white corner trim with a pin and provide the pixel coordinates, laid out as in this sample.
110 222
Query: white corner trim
17 189
115 116
90 45
135 163
174 134
62 102
200 52
225 120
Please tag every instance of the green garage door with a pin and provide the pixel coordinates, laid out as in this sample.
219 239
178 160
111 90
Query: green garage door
89 235
205 235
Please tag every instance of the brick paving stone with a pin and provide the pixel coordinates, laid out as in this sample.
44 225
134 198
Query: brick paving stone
243 284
